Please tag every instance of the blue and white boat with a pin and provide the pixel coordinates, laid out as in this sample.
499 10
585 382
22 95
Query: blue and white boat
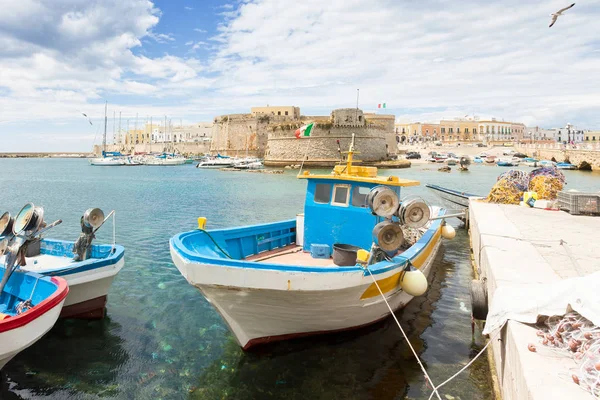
88 269
277 281
29 306
565 165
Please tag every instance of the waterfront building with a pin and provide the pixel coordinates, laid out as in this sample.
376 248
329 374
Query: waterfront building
591 136
465 129
161 133
570 134
536 134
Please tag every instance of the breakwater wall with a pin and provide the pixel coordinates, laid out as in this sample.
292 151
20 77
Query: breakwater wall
192 148
574 156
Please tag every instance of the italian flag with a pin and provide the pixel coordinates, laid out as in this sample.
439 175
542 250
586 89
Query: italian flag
304 131
381 105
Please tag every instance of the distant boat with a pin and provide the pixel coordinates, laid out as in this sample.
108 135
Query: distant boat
107 159
490 159
565 165
530 162
477 160
454 197
503 162
546 163
165 159
216 163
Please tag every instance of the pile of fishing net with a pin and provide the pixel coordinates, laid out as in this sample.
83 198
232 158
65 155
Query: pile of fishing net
580 338
546 182
509 188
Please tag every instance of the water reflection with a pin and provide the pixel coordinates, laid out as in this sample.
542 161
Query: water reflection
85 356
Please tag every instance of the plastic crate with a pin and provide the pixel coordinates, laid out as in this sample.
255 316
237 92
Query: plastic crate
579 203
320 251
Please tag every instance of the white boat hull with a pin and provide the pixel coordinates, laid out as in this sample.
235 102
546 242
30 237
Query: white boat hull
107 161
88 290
15 340
262 305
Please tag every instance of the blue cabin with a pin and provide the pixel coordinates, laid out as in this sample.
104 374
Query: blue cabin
336 209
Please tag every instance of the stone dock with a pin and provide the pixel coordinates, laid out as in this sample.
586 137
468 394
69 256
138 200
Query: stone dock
521 245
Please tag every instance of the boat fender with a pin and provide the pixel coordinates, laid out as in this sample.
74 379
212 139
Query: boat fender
201 222
479 299
448 232
413 281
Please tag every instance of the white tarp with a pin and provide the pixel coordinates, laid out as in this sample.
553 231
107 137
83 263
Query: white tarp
525 302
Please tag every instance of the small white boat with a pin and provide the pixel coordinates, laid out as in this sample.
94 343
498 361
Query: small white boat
217 162
248 164
29 307
88 269
165 160
277 281
107 161
29 303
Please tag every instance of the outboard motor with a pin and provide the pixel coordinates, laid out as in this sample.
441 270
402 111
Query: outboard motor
90 221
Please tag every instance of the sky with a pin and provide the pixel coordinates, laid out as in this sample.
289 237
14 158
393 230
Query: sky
191 60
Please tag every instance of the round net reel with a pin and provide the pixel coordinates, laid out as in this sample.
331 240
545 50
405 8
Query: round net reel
28 220
6 224
388 235
414 213
383 201
465 162
93 218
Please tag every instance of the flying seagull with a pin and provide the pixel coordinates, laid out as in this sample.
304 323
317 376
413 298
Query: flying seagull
89 120
558 14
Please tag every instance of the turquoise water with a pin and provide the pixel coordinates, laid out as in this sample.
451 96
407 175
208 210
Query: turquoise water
161 339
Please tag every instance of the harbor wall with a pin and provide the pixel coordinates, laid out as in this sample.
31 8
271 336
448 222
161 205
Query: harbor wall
574 156
186 148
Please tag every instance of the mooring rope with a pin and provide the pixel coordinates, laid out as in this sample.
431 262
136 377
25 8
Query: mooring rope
434 388
435 391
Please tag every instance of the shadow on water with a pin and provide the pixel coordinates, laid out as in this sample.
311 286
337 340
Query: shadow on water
370 363
76 355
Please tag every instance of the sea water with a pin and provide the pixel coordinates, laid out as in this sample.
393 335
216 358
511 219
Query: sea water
162 340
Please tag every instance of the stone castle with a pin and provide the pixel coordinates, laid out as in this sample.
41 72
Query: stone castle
268 132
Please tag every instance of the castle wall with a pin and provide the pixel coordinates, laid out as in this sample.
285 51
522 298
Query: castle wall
321 148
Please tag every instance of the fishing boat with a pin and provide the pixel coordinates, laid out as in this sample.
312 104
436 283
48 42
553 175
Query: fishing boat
530 162
29 306
248 163
505 162
490 159
565 165
277 281
454 197
88 269
546 163
29 303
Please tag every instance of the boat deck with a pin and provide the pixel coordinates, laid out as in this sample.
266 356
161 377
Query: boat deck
45 262
291 255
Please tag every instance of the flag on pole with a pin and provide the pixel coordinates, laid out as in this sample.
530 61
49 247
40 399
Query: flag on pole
381 105
304 131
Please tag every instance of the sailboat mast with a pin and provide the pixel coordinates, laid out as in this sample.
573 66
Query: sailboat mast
105 122
119 128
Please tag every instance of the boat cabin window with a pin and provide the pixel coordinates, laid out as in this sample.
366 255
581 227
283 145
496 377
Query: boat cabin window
322 193
341 195
359 196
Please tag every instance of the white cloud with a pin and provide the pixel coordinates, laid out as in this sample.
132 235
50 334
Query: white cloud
188 8
428 60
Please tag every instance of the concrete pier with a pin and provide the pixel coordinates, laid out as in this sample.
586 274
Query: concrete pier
519 245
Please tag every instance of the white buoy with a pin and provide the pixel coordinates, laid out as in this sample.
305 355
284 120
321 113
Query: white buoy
413 282
448 232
